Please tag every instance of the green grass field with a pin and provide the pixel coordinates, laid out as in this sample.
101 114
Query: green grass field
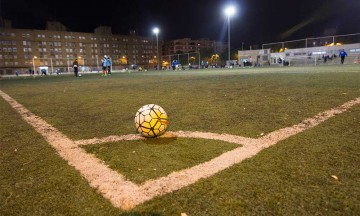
293 177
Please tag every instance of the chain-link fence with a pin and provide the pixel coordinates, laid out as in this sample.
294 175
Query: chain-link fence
313 42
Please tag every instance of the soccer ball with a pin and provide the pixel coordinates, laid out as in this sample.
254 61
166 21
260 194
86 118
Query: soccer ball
151 120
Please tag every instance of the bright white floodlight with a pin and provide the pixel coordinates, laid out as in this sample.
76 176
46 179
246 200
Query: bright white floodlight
230 10
156 30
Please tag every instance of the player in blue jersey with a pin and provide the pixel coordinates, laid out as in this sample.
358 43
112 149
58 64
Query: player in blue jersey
108 64
342 55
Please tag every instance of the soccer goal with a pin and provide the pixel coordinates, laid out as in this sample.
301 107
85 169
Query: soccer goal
321 60
303 60
58 65
184 61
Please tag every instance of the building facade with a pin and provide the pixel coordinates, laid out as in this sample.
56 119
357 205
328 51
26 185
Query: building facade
187 45
56 48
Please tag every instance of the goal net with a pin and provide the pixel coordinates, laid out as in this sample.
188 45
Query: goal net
184 61
321 60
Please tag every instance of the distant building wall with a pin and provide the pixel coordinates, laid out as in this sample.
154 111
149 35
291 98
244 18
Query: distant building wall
22 49
188 45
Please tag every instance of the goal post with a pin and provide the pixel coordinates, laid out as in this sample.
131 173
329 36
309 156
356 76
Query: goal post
185 60
302 61
317 60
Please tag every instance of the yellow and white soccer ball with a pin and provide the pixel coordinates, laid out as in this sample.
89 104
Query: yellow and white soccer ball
151 120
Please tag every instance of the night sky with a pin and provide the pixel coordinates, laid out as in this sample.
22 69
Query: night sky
256 21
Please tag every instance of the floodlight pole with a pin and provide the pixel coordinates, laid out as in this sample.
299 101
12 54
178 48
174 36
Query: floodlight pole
157 48
199 59
156 31
229 37
34 63
68 68
97 63
52 68
229 11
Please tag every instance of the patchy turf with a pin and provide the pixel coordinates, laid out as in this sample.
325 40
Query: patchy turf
293 177
240 102
312 173
142 160
34 180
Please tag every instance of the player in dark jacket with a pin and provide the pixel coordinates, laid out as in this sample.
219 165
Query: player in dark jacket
108 64
76 67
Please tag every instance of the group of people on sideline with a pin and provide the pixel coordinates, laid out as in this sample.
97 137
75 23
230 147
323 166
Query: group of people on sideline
105 64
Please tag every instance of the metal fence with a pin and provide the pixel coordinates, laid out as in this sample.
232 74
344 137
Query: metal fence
313 42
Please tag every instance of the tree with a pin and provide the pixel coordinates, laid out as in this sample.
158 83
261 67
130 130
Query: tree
224 56
206 54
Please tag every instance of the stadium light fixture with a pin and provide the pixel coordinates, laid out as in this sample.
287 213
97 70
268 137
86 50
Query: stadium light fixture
156 32
229 11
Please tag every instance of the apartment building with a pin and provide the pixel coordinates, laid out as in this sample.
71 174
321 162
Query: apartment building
56 48
188 45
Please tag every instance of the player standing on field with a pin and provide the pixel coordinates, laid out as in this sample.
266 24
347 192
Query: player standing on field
342 55
76 67
108 64
104 66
